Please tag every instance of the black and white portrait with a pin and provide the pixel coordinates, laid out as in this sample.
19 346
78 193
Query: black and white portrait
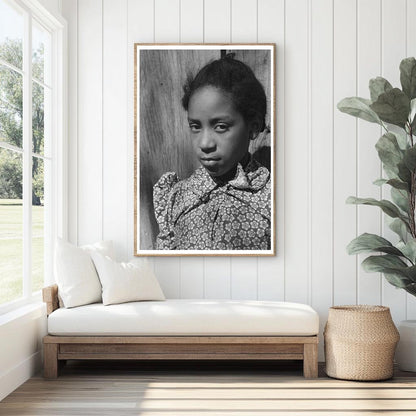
204 150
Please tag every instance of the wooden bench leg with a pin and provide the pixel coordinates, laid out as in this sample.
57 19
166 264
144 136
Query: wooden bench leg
50 360
310 360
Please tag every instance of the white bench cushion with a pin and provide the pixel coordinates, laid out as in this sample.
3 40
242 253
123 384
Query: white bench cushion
187 317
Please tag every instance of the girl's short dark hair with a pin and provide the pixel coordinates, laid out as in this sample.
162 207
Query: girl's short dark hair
236 78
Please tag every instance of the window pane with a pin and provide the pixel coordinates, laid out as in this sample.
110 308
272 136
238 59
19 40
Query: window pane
11 226
11 107
11 34
41 45
38 230
38 118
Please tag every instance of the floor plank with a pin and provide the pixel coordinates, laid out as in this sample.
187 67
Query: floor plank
216 388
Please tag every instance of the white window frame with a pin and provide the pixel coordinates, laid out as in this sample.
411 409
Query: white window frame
58 211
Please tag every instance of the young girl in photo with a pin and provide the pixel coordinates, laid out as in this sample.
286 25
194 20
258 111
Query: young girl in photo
225 204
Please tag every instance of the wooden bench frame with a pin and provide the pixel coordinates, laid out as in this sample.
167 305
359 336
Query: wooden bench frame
58 349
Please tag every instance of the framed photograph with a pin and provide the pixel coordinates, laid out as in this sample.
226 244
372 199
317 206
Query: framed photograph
204 150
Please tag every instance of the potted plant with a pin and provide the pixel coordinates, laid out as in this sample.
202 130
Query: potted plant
394 109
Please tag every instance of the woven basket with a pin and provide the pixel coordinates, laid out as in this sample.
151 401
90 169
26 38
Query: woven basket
360 341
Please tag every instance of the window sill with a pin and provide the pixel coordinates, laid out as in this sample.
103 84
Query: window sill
19 303
34 307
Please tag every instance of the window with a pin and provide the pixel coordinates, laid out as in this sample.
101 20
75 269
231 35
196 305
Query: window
31 142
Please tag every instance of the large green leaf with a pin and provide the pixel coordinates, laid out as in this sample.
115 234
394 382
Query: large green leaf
408 249
400 198
401 137
394 158
389 151
412 116
378 86
411 273
400 228
397 280
404 172
411 289
407 274
366 243
412 111
380 263
390 173
380 182
410 158
408 77
395 183
394 269
359 107
388 207
398 184
392 107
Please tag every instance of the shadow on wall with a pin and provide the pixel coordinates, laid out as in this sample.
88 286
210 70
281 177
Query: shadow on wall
164 143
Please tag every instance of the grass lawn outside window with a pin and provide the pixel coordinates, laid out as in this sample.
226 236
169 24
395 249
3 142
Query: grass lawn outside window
11 249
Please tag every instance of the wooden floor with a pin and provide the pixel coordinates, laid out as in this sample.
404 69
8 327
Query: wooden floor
192 389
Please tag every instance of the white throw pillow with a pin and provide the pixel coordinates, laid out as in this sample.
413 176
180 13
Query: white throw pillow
75 273
126 282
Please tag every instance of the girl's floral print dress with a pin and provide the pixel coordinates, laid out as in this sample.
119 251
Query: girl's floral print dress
200 213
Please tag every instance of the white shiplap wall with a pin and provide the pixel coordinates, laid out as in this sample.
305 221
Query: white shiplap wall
326 50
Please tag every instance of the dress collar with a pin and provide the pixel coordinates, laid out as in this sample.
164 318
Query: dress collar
251 178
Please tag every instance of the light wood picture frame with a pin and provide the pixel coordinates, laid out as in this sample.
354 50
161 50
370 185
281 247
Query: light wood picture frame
230 218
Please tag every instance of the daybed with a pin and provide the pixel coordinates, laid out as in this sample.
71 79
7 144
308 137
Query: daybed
181 329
